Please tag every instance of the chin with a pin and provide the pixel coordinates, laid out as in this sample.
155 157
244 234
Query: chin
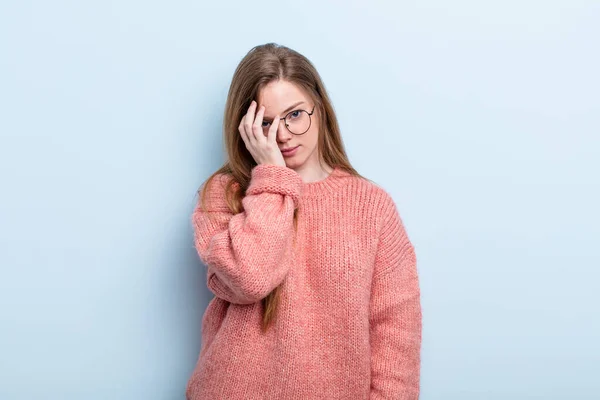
293 163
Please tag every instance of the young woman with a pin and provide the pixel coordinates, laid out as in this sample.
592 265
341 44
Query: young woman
314 276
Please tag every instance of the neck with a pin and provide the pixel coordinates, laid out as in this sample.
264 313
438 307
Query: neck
314 173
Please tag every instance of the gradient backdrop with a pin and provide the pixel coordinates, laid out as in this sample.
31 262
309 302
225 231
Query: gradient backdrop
480 118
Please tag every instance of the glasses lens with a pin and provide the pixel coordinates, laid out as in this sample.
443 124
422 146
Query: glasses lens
298 121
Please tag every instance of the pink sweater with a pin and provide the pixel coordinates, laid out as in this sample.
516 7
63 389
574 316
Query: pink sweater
349 319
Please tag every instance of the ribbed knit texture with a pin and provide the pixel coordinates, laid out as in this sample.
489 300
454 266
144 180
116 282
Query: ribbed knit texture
348 324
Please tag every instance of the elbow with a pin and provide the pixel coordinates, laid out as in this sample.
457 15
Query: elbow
245 280
254 290
246 291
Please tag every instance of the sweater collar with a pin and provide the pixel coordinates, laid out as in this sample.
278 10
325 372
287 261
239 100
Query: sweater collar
326 186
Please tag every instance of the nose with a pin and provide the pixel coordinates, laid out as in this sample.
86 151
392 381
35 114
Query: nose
283 135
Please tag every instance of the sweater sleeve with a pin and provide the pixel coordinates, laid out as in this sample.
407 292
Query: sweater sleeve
248 254
395 314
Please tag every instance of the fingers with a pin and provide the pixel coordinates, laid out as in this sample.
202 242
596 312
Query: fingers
272 134
257 129
242 130
249 121
263 147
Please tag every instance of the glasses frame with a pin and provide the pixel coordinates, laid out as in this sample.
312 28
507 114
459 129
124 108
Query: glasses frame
309 120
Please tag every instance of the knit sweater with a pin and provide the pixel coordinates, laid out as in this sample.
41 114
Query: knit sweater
348 325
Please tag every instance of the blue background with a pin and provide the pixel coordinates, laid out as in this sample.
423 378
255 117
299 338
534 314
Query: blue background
480 118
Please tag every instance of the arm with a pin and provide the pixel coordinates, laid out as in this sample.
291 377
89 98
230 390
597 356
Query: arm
247 254
395 314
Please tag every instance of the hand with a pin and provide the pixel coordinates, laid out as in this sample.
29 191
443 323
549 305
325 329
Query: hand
263 148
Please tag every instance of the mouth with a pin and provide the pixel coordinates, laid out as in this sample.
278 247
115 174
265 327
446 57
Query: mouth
289 149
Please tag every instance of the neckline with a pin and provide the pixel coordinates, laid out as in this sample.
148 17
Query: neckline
324 186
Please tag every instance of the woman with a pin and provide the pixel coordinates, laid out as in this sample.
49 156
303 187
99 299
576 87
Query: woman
314 276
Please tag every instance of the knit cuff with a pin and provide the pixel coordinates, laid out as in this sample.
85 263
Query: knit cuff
275 179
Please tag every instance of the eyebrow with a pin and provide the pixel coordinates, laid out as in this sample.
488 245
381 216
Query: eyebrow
286 110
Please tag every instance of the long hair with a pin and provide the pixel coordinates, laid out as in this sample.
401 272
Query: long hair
262 65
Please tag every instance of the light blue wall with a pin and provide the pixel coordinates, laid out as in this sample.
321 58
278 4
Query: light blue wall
480 118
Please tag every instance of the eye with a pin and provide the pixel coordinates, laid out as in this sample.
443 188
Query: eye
295 114
265 122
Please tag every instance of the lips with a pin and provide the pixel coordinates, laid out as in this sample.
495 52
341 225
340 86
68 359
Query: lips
289 149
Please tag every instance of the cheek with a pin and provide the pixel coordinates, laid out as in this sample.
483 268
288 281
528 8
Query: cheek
312 138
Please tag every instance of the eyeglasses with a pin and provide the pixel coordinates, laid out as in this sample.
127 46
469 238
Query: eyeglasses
297 122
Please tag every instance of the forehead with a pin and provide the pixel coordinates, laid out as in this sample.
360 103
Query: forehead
278 95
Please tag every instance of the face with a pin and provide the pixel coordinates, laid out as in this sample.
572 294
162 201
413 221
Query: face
282 97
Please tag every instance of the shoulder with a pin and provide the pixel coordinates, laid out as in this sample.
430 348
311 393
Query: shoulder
369 191
391 230
377 201
216 184
220 181
214 191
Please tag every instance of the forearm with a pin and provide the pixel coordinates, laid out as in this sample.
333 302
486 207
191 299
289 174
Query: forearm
249 257
247 254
